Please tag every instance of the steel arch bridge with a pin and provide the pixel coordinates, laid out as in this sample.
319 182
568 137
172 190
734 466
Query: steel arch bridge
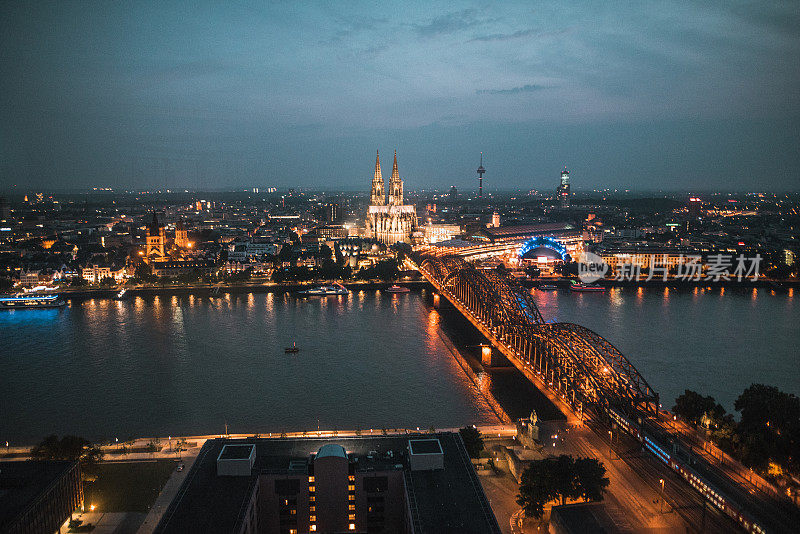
575 362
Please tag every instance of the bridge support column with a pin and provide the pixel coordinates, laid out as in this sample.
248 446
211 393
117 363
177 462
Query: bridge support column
486 355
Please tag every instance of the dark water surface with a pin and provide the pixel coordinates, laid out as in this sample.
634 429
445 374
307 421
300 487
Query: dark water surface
186 364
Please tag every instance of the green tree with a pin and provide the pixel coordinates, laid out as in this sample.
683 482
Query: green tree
591 479
537 487
692 406
769 429
66 448
559 479
473 441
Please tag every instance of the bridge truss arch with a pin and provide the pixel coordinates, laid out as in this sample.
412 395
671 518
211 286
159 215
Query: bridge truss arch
579 364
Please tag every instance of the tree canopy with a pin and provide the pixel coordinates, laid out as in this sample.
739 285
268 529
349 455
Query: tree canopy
473 441
767 433
559 479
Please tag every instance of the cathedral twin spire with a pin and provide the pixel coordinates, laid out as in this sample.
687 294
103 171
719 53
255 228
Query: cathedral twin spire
377 197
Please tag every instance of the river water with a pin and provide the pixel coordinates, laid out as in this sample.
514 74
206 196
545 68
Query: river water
188 365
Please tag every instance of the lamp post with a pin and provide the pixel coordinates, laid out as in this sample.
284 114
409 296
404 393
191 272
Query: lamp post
661 503
610 443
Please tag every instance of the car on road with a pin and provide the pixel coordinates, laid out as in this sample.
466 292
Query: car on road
180 468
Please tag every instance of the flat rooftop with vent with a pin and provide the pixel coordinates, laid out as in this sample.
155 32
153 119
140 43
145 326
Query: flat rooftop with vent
389 484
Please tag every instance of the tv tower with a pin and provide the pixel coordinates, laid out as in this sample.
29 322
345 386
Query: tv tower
481 170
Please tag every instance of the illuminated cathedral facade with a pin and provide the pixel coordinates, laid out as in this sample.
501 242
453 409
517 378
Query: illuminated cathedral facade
389 220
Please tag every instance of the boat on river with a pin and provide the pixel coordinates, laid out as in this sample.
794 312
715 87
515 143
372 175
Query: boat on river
397 289
27 302
325 291
587 288
293 349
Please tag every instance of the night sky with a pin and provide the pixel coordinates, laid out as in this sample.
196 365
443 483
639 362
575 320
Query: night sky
641 95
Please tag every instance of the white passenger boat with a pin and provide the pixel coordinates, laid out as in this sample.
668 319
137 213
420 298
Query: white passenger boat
324 291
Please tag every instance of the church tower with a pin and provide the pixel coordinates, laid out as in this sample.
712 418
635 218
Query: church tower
395 186
181 235
156 239
378 194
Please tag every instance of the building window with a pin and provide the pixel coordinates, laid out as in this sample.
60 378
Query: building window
311 479
351 487
351 517
351 497
311 498
313 528
352 507
351 478
352 526
312 518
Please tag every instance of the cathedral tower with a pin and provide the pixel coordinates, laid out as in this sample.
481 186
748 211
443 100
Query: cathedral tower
378 194
395 186
156 240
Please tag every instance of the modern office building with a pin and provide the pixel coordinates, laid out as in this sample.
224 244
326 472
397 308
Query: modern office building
388 484
38 496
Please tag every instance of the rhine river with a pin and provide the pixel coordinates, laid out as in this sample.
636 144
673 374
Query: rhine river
185 365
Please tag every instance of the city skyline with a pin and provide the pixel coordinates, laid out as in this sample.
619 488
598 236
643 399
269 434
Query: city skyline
156 96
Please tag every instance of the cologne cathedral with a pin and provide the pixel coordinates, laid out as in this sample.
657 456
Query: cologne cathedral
389 221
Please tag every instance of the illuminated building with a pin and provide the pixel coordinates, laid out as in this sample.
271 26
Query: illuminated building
173 268
562 192
392 221
435 233
156 241
181 235
495 220
358 484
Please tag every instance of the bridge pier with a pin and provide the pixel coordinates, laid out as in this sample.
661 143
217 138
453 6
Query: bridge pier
487 353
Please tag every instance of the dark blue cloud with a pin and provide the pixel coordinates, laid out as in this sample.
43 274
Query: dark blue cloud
250 93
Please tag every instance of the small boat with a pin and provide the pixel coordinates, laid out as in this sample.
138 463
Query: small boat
293 349
324 291
397 289
547 287
589 288
26 302
121 294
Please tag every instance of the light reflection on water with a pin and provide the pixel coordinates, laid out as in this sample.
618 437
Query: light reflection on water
186 364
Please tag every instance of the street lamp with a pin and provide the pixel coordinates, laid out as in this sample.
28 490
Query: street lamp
610 443
661 503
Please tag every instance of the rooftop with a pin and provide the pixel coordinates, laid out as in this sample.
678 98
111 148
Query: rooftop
448 500
505 232
236 452
425 446
22 482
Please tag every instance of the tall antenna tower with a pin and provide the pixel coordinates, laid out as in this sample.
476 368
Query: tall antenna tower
481 170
